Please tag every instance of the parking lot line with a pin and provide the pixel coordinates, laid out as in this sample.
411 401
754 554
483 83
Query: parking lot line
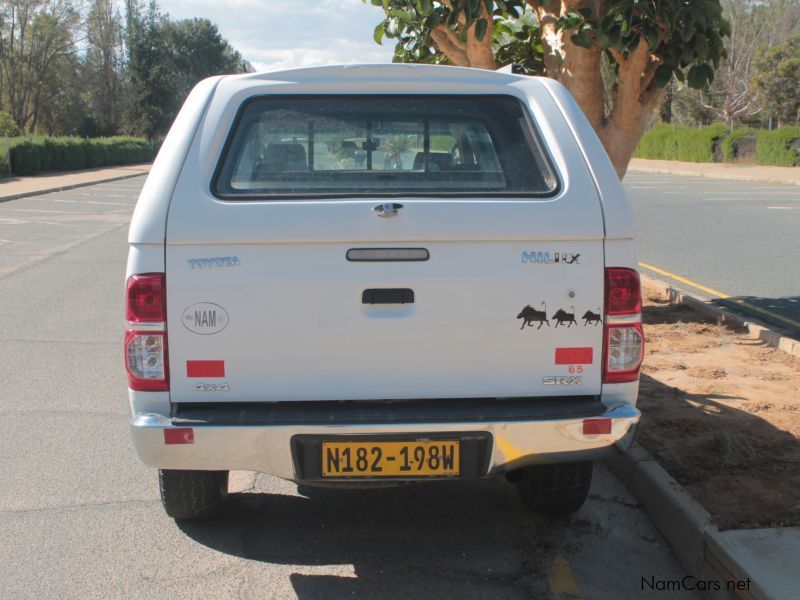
722 296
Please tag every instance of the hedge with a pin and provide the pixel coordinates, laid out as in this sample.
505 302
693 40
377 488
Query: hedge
774 147
666 142
730 142
33 155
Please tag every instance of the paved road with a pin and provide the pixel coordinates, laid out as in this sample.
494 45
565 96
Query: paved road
80 516
736 238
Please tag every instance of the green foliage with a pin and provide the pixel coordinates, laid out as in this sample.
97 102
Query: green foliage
777 80
687 37
774 147
730 143
518 41
410 22
7 125
94 126
153 101
197 51
166 59
659 143
666 142
31 155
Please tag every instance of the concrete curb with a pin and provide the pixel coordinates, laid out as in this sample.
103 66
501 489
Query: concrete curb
687 526
722 315
70 186
713 173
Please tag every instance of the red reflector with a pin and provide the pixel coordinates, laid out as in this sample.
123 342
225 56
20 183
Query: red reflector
596 426
183 435
205 368
574 356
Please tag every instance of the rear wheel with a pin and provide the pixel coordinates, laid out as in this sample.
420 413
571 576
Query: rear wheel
193 494
555 490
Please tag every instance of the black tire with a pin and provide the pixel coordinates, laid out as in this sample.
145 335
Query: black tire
557 489
193 494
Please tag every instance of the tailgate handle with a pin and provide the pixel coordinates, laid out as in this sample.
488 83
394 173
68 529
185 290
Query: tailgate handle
388 296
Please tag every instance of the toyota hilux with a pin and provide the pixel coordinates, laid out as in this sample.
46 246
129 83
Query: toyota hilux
357 275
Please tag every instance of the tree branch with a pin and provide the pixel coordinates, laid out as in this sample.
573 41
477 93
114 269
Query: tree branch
450 45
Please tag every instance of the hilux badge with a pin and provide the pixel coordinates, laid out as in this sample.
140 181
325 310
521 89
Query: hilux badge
551 258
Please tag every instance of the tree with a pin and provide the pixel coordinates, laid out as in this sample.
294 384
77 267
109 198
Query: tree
199 51
152 81
8 128
754 24
34 36
615 57
166 59
777 80
103 65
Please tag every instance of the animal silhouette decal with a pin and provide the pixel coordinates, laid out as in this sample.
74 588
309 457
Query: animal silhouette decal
529 315
590 317
561 316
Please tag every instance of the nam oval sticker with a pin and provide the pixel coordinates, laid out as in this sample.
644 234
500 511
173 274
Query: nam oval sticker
205 318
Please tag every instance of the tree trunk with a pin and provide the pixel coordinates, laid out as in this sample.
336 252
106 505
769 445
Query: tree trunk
633 98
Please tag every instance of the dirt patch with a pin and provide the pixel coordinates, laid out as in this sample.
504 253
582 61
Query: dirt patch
721 413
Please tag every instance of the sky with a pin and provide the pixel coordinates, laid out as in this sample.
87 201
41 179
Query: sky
281 34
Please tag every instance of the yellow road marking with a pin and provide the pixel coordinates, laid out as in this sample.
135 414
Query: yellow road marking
708 290
722 295
562 582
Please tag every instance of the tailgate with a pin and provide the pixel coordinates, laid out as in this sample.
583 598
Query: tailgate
290 321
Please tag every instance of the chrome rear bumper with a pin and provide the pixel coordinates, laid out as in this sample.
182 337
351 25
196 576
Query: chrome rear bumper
233 444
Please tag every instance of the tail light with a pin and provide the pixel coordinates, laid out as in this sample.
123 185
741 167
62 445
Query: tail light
146 337
623 338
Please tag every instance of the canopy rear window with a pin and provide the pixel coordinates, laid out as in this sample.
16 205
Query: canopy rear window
339 146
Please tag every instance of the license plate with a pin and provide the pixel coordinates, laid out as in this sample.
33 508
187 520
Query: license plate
391 459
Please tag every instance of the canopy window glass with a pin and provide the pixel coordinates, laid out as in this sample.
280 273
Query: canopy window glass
335 146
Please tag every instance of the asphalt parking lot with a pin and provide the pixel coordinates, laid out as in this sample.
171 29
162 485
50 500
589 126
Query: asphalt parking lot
80 516
735 242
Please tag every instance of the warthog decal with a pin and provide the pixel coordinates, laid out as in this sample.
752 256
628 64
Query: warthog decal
529 315
590 317
563 316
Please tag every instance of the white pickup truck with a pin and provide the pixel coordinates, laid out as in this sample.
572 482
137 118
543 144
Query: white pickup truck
398 273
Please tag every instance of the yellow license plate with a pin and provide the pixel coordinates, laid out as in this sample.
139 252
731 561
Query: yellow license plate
390 459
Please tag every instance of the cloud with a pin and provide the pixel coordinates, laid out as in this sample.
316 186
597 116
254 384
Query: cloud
282 34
